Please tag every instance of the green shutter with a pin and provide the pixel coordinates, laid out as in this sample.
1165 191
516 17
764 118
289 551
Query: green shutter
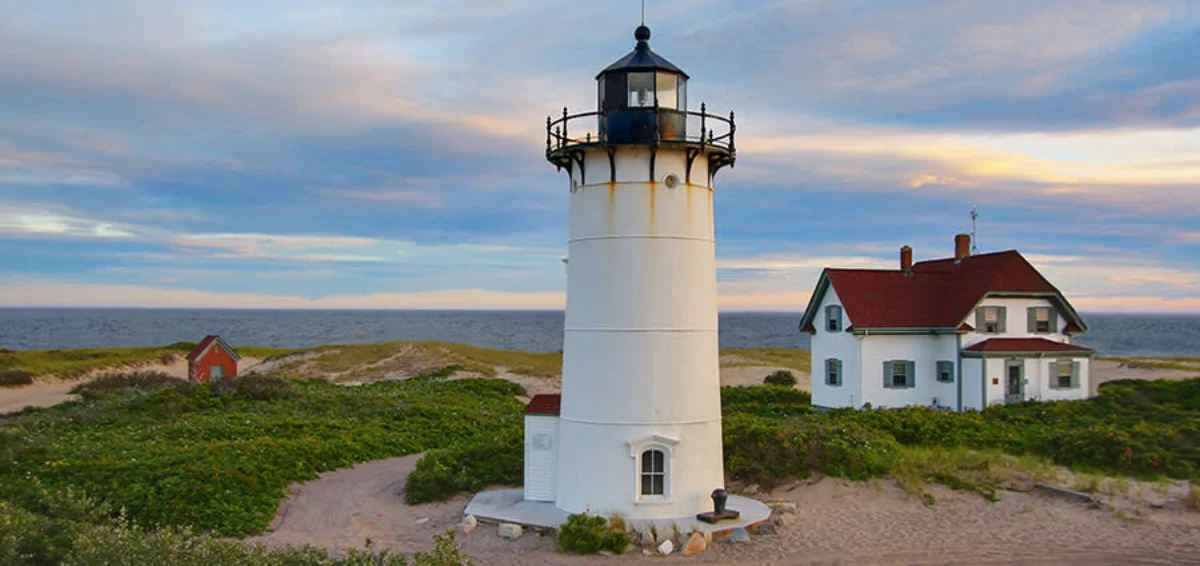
1031 319
1074 375
1053 375
1002 323
828 370
887 374
910 377
1053 321
979 319
837 367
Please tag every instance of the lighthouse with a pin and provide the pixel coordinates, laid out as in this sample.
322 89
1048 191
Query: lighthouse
636 431
639 419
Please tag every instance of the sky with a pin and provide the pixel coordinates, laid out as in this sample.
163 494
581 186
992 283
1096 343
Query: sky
372 154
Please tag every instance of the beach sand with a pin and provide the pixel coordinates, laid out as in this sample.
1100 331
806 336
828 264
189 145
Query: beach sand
837 522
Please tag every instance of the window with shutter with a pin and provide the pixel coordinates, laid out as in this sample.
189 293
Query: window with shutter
945 371
1063 372
1039 320
1074 375
990 320
833 372
833 318
898 374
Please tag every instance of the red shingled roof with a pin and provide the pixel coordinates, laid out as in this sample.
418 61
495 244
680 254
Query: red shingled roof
545 404
199 349
205 343
1023 345
937 294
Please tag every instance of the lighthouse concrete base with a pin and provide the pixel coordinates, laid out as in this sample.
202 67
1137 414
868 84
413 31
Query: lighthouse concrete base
510 506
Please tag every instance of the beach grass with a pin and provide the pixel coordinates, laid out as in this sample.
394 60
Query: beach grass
1180 363
349 362
799 360
74 363
366 361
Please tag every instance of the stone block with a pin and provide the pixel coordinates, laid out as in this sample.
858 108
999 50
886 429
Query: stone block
782 508
510 531
667 547
739 535
766 529
695 545
468 524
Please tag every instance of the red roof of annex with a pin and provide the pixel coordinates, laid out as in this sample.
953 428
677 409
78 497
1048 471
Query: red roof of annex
544 404
1024 345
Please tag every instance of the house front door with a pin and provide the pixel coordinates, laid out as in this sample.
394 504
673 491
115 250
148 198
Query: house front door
1014 381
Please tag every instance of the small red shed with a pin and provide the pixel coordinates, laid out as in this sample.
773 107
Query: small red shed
212 358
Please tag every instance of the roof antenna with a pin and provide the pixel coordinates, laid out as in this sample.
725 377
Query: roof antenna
974 241
643 12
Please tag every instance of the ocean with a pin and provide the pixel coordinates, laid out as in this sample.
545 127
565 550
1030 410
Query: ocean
535 331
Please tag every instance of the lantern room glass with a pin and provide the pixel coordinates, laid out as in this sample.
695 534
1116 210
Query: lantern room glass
641 90
665 89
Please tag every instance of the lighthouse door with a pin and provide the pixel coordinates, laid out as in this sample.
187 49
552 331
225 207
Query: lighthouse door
541 458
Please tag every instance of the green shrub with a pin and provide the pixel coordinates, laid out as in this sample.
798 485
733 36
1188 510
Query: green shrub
254 387
783 378
589 534
764 451
220 460
497 459
15 378
776 402
125 382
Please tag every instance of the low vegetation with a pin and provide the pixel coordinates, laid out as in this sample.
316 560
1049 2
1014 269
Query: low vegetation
1172 363
772 434
75 530
68 364
798 360
15 378
590 534
217 457
782 378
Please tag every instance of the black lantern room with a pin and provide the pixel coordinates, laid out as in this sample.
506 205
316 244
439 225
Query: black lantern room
643 96
641 100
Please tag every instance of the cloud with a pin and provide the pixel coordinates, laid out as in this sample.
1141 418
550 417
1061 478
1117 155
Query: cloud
46 223
403 198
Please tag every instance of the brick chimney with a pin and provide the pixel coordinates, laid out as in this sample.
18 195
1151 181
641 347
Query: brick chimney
906 260
962 247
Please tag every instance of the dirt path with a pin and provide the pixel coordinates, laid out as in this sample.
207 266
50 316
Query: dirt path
837 522
13 399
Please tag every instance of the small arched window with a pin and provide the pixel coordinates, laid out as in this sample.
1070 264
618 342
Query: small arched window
654 472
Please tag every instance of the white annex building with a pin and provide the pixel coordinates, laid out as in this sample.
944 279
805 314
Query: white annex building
637 428
958 333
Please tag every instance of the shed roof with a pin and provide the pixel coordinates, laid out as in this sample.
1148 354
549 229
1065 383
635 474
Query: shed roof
204 344
545 404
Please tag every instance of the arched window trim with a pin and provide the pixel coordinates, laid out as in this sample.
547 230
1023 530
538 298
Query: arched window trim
666 445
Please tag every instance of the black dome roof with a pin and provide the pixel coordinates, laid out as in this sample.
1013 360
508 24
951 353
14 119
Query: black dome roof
642 58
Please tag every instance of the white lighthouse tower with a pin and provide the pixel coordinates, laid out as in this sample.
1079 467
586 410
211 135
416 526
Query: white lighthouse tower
639 428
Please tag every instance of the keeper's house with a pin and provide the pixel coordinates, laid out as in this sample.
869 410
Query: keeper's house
958 333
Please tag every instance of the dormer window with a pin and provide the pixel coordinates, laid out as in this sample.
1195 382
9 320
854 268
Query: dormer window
1042 320
990 320
833 318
